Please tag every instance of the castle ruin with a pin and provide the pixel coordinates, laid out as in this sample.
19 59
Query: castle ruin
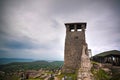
74 41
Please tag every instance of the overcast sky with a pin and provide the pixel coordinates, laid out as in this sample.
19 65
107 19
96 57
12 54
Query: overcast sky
35 28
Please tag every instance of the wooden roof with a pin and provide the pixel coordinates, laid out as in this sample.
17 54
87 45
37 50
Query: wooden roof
108 53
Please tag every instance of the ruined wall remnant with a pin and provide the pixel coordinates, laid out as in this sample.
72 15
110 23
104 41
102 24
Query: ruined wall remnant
74 41
84 71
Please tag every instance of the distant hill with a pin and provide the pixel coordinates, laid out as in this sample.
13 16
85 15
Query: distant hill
36 65
10 60
115 52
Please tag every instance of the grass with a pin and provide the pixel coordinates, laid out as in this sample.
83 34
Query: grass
99 74
35 79
73 76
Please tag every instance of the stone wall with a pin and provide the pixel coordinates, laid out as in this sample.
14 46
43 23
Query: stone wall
84 72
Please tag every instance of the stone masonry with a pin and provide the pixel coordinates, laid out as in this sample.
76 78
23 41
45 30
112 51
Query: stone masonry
74 41
84 72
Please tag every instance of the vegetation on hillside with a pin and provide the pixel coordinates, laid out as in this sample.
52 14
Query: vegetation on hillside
11 71
98 72
21 66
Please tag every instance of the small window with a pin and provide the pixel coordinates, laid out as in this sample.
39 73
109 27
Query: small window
72 30
79 29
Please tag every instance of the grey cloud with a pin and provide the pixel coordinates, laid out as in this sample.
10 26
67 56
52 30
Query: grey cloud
38 26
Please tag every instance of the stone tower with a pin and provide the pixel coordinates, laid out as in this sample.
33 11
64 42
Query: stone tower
74 41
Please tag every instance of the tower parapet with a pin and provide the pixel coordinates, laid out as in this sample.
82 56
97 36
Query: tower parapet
71 27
